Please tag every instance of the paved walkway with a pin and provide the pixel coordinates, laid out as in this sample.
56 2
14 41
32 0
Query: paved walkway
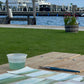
37 27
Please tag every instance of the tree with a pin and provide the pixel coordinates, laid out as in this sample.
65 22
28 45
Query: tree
1 3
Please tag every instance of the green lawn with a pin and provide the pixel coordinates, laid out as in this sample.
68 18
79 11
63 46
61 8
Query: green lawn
37 41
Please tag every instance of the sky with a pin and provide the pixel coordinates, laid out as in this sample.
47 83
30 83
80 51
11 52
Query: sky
79 3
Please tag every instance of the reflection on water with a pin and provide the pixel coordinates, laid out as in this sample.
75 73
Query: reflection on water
48 20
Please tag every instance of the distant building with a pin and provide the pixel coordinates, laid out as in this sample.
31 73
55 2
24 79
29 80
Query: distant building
41 5
26 5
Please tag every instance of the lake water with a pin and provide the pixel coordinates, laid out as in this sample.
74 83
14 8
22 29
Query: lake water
49 20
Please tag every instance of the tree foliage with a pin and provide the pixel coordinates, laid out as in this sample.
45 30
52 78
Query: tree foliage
1 3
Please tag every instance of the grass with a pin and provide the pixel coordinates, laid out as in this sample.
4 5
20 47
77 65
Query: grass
38 41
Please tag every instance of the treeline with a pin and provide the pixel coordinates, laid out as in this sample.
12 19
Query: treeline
1 3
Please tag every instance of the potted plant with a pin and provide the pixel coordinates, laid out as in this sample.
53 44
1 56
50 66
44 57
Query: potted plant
71 24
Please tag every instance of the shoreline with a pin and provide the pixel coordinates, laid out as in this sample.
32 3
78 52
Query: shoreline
36 27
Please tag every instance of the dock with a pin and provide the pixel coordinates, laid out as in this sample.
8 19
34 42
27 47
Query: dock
40 13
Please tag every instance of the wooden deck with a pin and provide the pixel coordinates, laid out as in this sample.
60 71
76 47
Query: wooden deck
63 60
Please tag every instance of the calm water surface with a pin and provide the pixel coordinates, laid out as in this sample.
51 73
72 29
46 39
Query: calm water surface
49 20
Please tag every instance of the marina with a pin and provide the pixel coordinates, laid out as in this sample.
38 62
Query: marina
42 13
20 10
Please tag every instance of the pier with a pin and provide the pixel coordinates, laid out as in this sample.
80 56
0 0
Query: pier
40 13
30 21
9 12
